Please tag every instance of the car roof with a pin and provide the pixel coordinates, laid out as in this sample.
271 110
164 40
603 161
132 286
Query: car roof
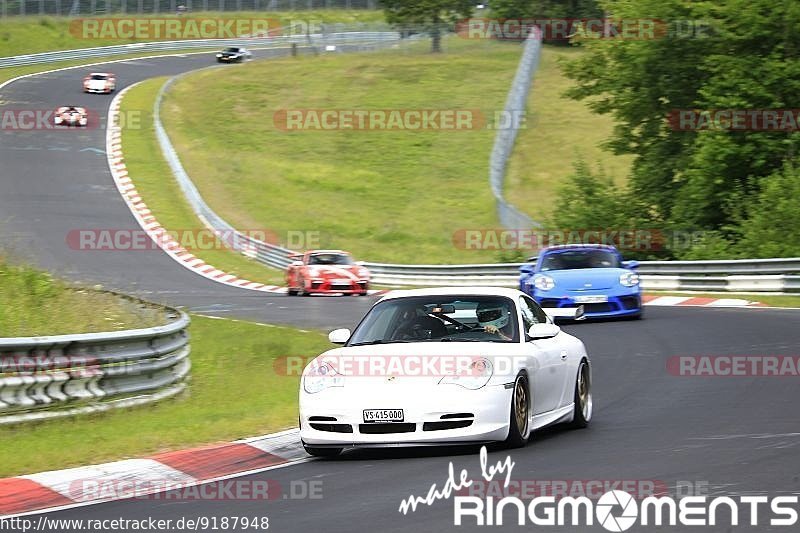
579 247
453 291
100 74
327 252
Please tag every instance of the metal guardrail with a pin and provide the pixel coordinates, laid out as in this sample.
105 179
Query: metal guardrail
64 375
516 102
741 275
362 37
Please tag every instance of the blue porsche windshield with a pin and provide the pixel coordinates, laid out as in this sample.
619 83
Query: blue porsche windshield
576 258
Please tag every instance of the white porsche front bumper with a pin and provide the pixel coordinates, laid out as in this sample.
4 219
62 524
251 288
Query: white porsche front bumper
432 415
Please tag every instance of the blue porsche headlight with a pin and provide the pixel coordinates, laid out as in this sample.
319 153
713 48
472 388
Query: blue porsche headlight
629 279
544 283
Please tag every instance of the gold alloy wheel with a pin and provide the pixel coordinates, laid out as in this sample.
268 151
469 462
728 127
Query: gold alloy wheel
521 406
585 392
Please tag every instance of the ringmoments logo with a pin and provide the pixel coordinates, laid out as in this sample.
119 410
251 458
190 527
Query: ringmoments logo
615 510
618 510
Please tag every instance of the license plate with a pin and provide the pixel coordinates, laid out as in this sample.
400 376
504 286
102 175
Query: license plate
341 282
383 415
593 299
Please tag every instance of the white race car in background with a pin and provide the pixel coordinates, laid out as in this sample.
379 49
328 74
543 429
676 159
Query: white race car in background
100 82
445 366
71 116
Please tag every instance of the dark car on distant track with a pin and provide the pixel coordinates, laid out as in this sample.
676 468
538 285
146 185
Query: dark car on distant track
234 54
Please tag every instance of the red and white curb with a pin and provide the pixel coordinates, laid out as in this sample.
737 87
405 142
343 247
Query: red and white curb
146 219
690 301
138 478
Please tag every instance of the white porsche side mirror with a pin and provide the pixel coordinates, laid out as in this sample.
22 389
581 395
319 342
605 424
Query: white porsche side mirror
543 331
339 336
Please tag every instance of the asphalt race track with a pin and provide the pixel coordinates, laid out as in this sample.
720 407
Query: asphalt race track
54 181
729 435
737 434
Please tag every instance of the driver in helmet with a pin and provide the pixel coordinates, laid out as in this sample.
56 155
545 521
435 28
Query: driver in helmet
493 317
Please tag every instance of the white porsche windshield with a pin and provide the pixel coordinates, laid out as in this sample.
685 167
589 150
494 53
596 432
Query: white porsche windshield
439 319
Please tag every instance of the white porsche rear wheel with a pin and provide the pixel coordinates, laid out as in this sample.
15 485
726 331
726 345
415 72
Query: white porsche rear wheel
583 396
519 418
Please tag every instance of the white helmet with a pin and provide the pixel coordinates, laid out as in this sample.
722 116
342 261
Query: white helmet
492 314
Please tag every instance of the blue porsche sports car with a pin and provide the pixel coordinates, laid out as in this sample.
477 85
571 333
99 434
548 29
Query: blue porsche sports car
594 276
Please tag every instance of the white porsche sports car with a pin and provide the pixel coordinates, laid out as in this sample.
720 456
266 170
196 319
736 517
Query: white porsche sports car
70 116
100 83
445 366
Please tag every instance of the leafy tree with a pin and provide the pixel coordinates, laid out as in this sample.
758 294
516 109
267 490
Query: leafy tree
744 55
427 15
592 201
773 217
569 9
546 9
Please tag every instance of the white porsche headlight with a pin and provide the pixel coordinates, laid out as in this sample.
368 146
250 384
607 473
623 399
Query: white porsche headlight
478 375
544 283
313 272
629 279
363 273
320 376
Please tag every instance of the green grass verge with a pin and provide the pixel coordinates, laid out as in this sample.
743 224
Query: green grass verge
772 300
34 34
235 392
395 196
34 304
159 190
560 130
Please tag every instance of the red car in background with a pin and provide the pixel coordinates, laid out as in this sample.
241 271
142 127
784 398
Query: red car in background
326 271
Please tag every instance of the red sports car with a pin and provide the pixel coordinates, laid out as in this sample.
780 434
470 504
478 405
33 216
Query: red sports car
326 271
